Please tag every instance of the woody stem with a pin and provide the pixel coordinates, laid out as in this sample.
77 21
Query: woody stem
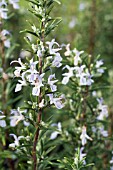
40 110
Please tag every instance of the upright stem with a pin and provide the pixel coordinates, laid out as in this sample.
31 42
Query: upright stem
40 110
34 145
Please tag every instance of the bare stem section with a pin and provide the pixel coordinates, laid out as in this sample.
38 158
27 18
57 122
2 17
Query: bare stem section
35 143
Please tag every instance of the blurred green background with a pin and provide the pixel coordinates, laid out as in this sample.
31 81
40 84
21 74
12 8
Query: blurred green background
86 24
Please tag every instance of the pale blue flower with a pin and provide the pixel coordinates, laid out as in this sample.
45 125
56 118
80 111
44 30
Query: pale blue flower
85 78
84 136
3 13
58 102
14 3
57 60
51 82
38 84
16 141
2 122
68 75
99 63
20 84
77 56
33 72
68 51
16 117
18 69
103 132
103 109
3 2
56 133
82 155
5 40
52 49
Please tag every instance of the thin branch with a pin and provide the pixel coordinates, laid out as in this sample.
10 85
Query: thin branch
40 110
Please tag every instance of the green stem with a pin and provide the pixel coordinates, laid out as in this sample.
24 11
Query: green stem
40 110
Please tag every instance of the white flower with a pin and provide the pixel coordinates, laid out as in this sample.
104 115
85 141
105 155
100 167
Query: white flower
55 133
6 40
84 136
17 72
56 101
77 56
33 65
103 109
68 75
98 64
16 141
54 52
14 3
85 77
103 132
5 32
51 44
7 43
21 83
2 122
68 51
19 86
17 117
3 2
80 71
51 82
82 155
57 60
33 72
38 84
3 13
83 80
18 69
